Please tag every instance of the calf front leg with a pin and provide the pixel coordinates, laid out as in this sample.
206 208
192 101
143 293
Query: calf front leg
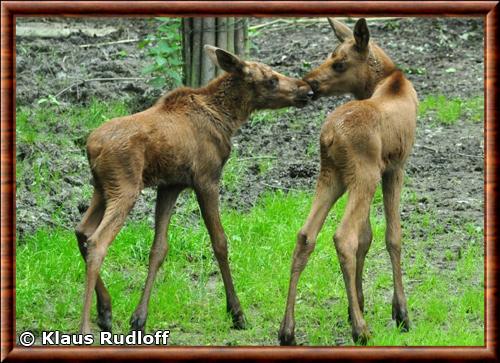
208 199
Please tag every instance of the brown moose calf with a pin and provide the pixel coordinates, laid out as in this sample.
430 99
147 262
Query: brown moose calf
181 142
361 143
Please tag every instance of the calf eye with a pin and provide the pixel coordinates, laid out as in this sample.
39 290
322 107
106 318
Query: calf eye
272 83
339 67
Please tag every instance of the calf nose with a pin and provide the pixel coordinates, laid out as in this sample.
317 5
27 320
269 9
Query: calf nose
313 84
310 94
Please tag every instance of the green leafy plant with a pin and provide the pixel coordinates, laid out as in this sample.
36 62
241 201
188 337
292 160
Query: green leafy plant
49 100
392 25
165 49
415 70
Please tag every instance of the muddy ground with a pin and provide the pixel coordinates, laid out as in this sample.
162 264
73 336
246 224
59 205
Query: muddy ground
440 56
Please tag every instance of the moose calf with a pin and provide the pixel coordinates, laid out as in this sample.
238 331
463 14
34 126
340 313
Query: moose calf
361 143
181 142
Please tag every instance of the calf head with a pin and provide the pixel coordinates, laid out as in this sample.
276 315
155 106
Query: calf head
267 88
350 68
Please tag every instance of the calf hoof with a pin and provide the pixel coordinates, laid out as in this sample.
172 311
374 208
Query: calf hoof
104 320
401 317
361 336
137 321
239 321
85 330
287 337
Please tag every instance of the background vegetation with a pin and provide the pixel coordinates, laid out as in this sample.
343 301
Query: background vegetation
267 190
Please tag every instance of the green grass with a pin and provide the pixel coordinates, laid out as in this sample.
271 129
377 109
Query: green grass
446 304
267 116
235 168
43 123
448 111
47 137
233 172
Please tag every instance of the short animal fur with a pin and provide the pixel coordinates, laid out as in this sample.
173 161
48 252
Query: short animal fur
181 142
362 142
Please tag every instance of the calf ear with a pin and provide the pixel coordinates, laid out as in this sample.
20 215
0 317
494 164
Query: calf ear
361 34
223 59
342 32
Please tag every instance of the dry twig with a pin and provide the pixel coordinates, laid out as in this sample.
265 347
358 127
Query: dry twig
97 80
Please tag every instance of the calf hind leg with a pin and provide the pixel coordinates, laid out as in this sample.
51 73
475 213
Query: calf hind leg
391 187
329 188
114 216
347 244
164 205
364 242
208 199
84 230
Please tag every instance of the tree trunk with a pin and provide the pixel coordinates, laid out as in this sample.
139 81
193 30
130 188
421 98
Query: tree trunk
187 40
208 37
230 35
196 52
245 37
239 36
221 38
226 33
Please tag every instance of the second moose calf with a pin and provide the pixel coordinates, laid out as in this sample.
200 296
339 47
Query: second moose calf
181 142
362 142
